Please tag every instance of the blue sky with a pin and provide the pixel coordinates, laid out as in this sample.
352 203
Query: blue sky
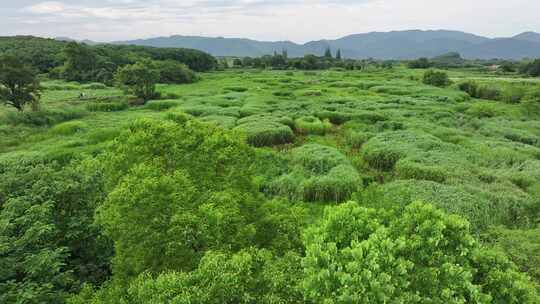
296 20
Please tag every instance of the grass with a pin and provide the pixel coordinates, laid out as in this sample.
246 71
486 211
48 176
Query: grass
324 136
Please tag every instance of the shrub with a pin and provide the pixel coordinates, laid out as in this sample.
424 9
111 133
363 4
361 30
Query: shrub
236 89
171 71
68 128
513 94
226 122
312 125
317 159
470 87
419 254
336 186
283 94
384 150
161 105
44 117
107 106
356 139
94 86
266 133
436 78
488 92
319 173
483 110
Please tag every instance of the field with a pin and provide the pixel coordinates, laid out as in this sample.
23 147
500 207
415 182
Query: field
322 138
378 131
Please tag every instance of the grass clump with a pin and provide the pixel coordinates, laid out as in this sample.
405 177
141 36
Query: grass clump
68 128
161 105
266 133
319 173
384 150
107 106
44 117
436 78
312 125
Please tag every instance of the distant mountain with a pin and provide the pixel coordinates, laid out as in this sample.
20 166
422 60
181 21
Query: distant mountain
86 41
529 36
382 45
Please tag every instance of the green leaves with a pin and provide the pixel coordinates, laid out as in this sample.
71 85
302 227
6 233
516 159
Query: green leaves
18 83
362 255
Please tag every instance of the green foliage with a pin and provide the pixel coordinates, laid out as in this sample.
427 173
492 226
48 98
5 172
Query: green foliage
362 255
436 78
107 106
19 85
265 132
139 79
50 246
312 125
69 128
521 246
319 173
200 188
161 105
470 87
420 63
173 72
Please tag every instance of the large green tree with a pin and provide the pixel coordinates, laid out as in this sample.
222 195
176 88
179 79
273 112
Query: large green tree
19 84
139 79
362 255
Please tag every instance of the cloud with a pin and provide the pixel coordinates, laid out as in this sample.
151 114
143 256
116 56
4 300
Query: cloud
297 20
48 7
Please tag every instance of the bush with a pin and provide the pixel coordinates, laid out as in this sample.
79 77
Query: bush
161 105
419 254
513 94
312 125
174 72
488 92
384 150
44 117
68 128
266 133
356 139
319 173
283 94
483 110
236 89
94 86
107 106
436 78
470 87
420 63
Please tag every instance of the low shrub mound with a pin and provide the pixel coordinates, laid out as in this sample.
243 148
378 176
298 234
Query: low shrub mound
107 106
43 117
68 128
226 122
383 151
266 133
312 125
161 105
318 174
436 78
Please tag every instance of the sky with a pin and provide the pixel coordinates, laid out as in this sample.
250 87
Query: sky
271 20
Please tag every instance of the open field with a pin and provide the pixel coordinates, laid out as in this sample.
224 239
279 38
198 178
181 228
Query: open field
380 130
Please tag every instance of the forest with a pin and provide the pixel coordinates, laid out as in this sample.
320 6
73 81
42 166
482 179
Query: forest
133 174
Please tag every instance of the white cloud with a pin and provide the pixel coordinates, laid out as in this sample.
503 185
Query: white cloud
297 20
48 7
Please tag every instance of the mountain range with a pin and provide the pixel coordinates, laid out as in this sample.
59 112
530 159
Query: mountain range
381 45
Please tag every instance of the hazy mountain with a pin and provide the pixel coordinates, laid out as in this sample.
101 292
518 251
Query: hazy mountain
382 45
529 36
